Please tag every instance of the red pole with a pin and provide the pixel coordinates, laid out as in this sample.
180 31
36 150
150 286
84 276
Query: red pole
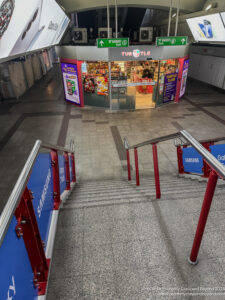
73 167
55 174
180 160
66 156
206 168
128 164
136 166
210 189
156 171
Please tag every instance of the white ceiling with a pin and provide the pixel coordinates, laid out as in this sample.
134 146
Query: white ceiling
79 5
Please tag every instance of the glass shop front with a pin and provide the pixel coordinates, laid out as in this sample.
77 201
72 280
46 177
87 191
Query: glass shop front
134 84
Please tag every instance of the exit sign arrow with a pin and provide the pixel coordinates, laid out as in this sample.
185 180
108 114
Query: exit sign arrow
113 43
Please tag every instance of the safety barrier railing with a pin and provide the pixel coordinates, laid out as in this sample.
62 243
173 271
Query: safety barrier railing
29 213
201 168
216 170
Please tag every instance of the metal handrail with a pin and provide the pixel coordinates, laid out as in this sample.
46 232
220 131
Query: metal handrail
214 140
17 192
207 156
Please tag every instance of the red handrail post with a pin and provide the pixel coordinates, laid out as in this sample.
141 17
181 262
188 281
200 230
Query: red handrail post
206 168
180 160
136 166
27 228
74 179
128 164
210 189
56 183
66 157
156 171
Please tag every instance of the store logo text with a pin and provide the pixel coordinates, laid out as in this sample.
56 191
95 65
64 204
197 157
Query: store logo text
136 53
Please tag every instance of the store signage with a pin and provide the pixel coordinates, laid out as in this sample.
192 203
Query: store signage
184 78
219 152
171 41
136 53
170 85
70 82
113 43
126 84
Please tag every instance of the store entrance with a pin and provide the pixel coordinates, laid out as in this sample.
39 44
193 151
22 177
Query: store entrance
133 84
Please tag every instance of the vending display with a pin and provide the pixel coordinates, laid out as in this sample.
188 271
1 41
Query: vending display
70 82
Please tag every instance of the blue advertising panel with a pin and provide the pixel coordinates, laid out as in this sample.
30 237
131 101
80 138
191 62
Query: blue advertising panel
62 174
71 172
70 82
192 161
170 86
219 152
15 271
41 184
184 78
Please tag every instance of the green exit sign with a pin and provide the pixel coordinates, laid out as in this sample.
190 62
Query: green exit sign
171 41
113 43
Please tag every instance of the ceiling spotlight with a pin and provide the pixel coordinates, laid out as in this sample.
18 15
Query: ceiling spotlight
208 6
174 15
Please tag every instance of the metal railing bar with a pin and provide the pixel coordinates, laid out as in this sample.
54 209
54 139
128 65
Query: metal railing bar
156 140
13 201
53 147
203 141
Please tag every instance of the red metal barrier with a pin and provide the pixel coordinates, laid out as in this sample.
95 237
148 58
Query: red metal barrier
212 181
66 157
128 165
27 228
136 166
74 179
55 174
206 168
180 160
156 171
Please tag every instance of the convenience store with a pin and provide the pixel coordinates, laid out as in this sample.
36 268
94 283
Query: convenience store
125 78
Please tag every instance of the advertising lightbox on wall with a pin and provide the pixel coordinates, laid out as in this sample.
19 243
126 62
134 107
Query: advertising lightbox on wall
207 28
70 82
27 25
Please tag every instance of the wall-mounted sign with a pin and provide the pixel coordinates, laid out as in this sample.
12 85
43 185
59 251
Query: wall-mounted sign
113 43
70 82
184 78
171 41
136 53
170 85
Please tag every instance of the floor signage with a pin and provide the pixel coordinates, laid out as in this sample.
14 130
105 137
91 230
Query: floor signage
113 43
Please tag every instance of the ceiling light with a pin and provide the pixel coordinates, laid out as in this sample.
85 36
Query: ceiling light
174 15
208 6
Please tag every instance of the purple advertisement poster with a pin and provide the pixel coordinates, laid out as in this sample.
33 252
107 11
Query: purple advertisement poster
70 82
184 78
170 84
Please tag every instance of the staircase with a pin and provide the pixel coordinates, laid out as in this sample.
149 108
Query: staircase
116 241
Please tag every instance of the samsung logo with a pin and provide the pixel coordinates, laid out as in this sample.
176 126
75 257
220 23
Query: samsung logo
44 192
192 160
62 175
221 157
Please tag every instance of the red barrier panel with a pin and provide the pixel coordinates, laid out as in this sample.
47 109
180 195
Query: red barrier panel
66 156
55 174
128 165
156 171
74 179
212 181
136 166
27 228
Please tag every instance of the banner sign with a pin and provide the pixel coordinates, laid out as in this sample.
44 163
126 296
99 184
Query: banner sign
70 82
184 78
192 161
219 152
41 185
170 85
16 273
62 173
